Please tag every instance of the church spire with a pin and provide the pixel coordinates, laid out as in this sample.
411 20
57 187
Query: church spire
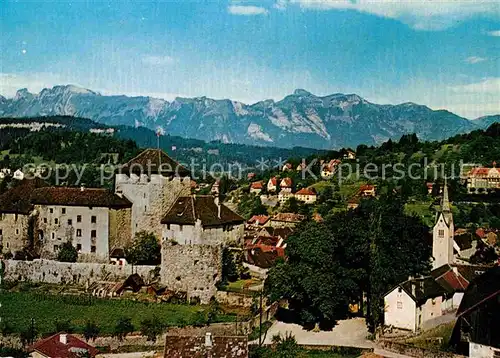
445 202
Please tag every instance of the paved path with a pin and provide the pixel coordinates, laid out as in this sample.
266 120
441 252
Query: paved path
351 333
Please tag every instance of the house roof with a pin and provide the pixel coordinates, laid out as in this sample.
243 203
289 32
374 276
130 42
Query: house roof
306 191
16 200
366 187
91 197
258 219
263 257
470 272
283 232
273 181
286 183
483 172
194 347
154 161
450 280
288 217
483 288
422 289
464 240
52 347
187 209
257 185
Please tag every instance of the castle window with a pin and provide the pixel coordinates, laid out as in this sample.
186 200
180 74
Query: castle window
93 219
51 210
56 247
56 221
79 247
15 217
180 227
53 236
78 232
63 210
400 305
78 218
70 222
45 220
93 234
17 231
92 249
1 232
441 233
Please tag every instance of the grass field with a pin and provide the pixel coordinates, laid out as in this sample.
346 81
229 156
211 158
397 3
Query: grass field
427 338
18 308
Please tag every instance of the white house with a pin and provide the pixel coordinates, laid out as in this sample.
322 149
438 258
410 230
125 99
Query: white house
285 195
306 195
272 185
18 175
412 303
286 184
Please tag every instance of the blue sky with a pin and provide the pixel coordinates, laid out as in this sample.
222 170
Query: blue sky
443 54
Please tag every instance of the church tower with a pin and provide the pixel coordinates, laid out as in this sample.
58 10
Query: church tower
443 233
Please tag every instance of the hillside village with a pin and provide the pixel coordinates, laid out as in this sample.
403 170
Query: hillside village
232 250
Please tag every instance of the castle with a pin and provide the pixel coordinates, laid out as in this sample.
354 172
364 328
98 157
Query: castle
152 193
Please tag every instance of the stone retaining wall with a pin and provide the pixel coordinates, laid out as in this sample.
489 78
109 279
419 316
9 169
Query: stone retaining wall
412 351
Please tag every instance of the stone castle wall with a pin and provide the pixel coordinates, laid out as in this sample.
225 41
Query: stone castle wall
14 232
48 271
195 269
151 196
120 223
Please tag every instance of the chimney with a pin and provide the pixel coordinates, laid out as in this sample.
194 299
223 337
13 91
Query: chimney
82 187
455 270
63 338
208 339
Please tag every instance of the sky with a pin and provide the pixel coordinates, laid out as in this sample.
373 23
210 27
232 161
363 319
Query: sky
444 54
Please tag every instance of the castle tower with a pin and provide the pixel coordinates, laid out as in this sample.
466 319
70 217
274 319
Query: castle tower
443 233
152 181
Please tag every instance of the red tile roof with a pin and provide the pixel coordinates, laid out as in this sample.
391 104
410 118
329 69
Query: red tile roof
90 197
482 172
52 347
258 219
366 187
273 181
286 183
306 191
257 185
288 217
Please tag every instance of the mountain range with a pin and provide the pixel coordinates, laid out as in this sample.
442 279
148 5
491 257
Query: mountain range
299 119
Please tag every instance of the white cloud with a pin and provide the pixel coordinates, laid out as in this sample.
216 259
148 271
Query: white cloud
487 86
475 59
419 14
247 10
495 33
157 60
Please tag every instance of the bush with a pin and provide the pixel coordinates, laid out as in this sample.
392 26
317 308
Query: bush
90 331
67 253
63 325
123 327
152 328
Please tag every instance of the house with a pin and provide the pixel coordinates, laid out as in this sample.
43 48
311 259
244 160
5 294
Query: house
285 195
280 232
250 176
202 220
367 190
282 220
353 203
302 166
256 187
306 195
429 186
350 155
286 184
464 243
62 345
18 175
206 346
287 167
272 185
489 237
258 220
412 303
95 221
477 329
4 172
263 256
117 257
328 169
482 180
16 215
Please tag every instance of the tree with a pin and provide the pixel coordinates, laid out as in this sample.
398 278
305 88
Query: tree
91 330
359 253
145 250
67 253
229 268
152 328
123 327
